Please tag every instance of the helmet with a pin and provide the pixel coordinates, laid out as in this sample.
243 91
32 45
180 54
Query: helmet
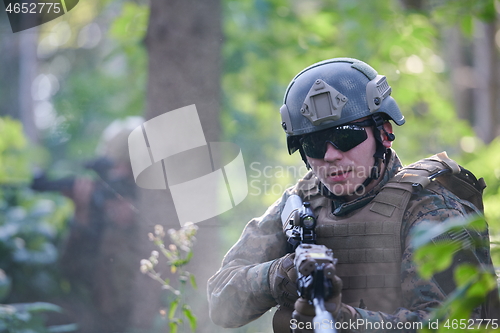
113 143
332 93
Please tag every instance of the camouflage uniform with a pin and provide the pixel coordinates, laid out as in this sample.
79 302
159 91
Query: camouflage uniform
240 292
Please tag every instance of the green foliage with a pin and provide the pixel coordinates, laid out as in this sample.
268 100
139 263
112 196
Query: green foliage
130 27
31 224
14 167
30 227
435 258
178 254
463 12
269 42
102 84
28 318
473 282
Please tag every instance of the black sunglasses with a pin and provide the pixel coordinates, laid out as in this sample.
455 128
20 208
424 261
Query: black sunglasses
344 138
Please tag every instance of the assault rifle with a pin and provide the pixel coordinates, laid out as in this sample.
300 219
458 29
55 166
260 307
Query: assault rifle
315 263
41 183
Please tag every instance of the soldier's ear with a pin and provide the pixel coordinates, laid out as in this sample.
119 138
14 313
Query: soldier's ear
387 135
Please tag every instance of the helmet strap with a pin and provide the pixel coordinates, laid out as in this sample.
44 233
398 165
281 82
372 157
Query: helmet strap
380 150
304 157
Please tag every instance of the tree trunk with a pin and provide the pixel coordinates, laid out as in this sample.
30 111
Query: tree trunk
183 40
485 94
461 72
19 51
28 64
9 74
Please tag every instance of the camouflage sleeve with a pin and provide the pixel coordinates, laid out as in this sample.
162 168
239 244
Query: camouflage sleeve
419 296
239 292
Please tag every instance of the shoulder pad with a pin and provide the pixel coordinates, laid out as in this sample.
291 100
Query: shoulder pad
444 170
420 174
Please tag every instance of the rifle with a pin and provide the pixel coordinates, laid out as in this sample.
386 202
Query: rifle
315 264
41 183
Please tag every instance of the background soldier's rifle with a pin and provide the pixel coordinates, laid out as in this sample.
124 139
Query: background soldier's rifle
315 263
105 188
41 183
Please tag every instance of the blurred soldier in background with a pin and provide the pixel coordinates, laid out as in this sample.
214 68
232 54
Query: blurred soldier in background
99 256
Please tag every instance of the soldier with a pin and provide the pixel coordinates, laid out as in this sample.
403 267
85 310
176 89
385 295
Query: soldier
102 244
99 257
336 113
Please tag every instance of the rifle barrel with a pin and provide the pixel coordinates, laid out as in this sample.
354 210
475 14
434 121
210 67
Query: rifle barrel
323 321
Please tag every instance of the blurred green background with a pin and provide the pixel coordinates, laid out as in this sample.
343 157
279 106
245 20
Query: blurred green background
62 83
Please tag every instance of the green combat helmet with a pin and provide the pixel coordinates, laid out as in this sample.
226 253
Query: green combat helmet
336 92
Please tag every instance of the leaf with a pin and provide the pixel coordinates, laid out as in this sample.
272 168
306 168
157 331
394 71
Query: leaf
173 326
37 307
192 279
62 328
190 316
474 286
173 308
456 296
464 273
425 232
434 258
486 282
478 223
179 262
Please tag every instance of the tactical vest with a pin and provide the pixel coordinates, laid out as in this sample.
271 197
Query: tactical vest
368 248
367 241
367 244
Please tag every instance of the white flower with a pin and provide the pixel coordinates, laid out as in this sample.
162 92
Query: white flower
159 230
146 263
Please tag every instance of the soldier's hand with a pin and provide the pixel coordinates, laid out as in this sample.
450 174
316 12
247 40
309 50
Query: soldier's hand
333 304
283 280
341 312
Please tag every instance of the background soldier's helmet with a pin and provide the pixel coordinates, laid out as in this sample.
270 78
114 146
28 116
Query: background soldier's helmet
332 93
113 143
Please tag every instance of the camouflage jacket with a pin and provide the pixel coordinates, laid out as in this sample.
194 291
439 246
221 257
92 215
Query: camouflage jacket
239 292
